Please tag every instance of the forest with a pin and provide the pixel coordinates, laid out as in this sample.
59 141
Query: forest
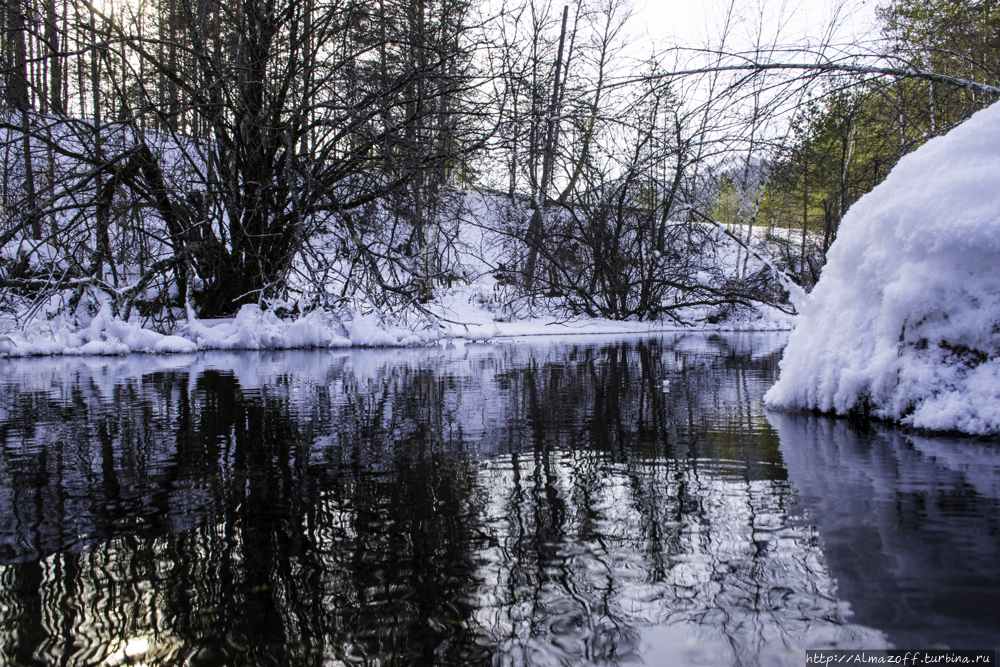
164 158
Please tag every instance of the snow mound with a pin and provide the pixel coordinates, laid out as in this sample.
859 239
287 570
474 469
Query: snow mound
905 320
256 329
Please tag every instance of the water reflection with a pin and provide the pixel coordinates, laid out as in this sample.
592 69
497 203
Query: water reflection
547 504
910 526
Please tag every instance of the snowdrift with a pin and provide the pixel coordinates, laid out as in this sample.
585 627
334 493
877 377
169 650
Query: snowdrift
905 321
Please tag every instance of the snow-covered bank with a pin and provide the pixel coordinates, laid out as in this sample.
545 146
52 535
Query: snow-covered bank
251 329
461 313
64 295
466 312
905 320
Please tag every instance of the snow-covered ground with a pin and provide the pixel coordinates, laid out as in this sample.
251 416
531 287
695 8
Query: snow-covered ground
477 306
462 312
904 323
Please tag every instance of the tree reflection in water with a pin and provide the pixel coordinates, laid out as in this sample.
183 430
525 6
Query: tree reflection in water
544 504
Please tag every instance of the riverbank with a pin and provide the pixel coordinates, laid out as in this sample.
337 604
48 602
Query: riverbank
466 312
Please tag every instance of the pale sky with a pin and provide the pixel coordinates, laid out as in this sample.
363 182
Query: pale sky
691 22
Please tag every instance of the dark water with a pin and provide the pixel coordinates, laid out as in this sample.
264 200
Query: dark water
547 503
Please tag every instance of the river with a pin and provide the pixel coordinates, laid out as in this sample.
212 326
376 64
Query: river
548 501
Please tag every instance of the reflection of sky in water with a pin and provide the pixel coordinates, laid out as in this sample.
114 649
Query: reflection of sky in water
547 503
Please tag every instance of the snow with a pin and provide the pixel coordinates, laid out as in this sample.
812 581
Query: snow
474 309
174 345
905 320
459 314
251 329
470 312
39 253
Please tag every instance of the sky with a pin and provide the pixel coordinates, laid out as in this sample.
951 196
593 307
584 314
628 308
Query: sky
690 22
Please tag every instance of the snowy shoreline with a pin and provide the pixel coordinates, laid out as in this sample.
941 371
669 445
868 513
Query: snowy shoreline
456 318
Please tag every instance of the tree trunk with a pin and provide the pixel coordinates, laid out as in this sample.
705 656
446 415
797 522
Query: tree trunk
805 219
17 97
668 201
102 244
551 139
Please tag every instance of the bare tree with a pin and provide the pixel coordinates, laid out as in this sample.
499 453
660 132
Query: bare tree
278 123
